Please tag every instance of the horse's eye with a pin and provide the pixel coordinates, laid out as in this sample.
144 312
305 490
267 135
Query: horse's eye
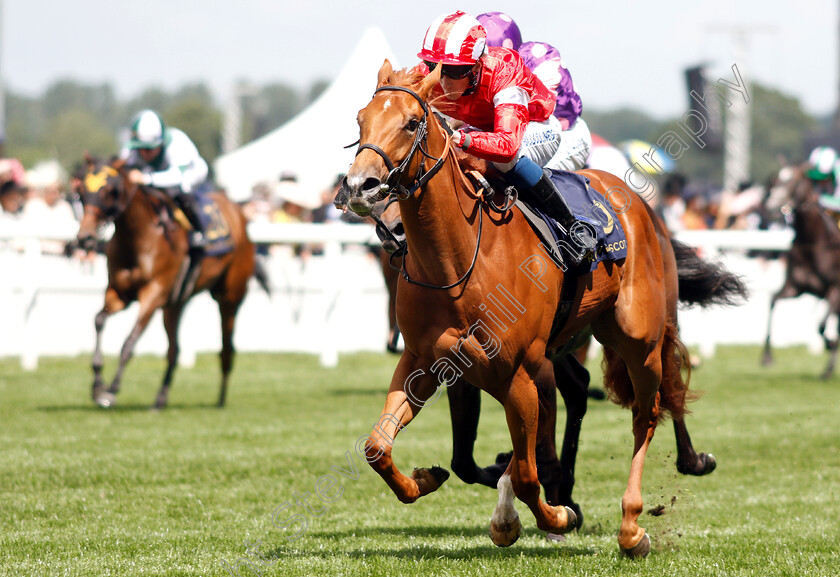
412 125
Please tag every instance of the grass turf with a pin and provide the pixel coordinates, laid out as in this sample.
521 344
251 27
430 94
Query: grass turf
189 490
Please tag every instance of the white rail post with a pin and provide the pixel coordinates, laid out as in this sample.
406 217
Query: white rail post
32 257
329 350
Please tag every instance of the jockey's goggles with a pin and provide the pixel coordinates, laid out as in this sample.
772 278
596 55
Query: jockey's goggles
455 71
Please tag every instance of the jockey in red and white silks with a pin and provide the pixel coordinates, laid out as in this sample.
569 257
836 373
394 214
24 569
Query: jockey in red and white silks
510 109
502 97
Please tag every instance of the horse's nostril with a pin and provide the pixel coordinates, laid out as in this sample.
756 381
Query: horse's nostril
371 183
399 231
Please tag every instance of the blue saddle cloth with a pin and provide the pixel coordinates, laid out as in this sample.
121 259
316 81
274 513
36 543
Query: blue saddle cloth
590 207
216 227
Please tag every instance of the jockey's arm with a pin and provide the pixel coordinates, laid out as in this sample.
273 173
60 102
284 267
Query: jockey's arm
186 169
509 124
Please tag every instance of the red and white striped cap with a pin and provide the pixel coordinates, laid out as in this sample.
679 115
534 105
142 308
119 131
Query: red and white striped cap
454 39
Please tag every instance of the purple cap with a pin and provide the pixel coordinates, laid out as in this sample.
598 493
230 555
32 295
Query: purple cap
545 62
501 30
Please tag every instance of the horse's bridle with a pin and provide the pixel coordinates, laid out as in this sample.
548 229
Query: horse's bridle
397 191
91 197
392 184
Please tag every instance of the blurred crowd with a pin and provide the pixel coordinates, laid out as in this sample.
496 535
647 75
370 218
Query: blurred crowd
287 202
692 206
37 199
43 199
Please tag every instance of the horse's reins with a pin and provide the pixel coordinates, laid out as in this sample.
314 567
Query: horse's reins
397 191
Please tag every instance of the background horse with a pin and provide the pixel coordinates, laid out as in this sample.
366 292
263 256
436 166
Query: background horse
813 262
569 376
629 304
146 262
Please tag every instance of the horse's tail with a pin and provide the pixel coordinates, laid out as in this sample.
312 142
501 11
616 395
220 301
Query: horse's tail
673 388
705 283
262 276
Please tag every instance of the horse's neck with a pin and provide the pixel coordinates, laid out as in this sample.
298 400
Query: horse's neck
440 223
137 220
814 226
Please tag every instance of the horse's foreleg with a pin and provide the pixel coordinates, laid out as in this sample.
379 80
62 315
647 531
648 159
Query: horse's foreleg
151 298
573 383
786 292
833 299
391 277
98 360
410 388
228 312
112 305
464 410
521 403
171 321
548 466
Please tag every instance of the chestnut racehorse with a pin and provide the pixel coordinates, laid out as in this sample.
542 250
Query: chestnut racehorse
569 376
145 258
460 248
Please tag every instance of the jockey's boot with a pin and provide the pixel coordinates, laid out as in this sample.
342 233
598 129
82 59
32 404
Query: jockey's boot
552 202
189 205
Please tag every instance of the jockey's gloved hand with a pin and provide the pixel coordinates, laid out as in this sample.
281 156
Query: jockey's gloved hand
461 139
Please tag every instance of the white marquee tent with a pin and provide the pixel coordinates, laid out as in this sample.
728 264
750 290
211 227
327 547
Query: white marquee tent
312 143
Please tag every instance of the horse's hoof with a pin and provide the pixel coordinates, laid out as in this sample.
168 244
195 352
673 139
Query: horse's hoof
506 534
767 361
704 465
571 520
106 400
439 474
555 537
641 549
709 464
489 476
470 473
430 480
575 509
504 458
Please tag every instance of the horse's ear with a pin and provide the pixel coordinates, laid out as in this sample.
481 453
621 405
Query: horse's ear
384 73
429 82
89 160
118 164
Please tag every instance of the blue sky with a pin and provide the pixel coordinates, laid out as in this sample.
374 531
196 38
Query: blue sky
619 52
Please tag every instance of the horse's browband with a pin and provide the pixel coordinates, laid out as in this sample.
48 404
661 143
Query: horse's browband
408 90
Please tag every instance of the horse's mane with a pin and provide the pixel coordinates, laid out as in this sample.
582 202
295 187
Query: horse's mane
405 77
410 77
